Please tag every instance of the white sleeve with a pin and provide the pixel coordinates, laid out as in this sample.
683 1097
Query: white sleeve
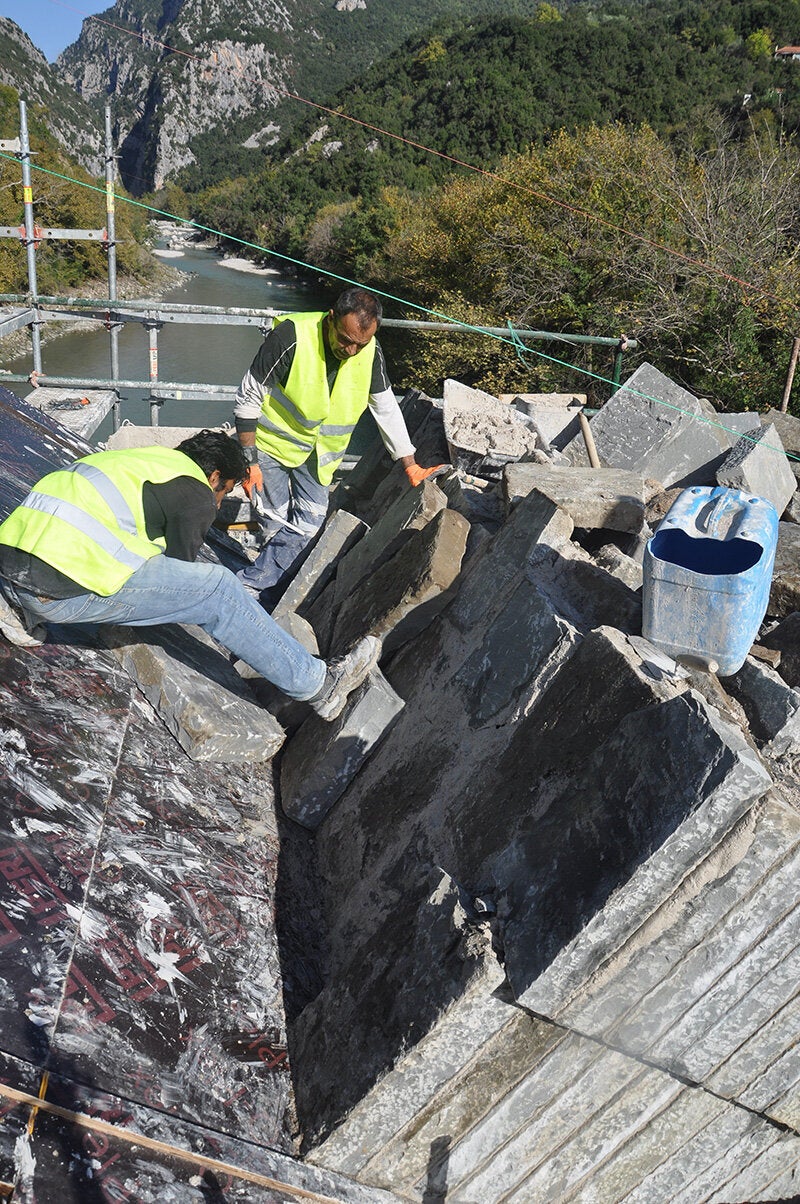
391 424
248 397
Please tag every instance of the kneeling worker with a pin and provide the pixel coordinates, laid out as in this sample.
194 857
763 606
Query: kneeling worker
113 539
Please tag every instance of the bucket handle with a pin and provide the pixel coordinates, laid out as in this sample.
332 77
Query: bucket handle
723 506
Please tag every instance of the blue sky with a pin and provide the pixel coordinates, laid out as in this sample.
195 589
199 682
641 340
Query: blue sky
51 24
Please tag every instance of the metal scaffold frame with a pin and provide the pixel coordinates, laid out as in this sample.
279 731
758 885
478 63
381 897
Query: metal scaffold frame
153 315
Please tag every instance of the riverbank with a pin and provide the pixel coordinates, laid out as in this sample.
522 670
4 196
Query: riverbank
203 353
129 288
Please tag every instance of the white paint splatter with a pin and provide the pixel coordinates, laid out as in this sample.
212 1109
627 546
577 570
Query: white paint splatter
24 1162
91 925
152 907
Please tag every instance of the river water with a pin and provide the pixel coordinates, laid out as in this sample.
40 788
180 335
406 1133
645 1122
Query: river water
200 353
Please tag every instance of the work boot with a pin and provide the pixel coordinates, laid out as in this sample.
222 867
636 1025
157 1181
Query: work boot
16 630
344 675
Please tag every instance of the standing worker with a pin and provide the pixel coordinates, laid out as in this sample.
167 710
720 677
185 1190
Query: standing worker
297 407
113 538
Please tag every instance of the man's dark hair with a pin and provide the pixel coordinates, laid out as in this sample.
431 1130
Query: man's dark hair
214 451
365 305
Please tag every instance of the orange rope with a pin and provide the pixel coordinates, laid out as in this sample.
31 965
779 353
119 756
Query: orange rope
575 209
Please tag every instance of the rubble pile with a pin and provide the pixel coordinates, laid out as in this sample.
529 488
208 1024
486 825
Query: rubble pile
560 950
557 863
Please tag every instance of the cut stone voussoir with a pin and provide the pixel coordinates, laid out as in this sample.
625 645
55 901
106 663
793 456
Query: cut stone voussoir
197 692
757 464
340 533
401 598
784 596
483 433
653 426
322 758
411 511
593 497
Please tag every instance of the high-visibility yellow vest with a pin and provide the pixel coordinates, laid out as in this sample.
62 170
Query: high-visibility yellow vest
305 414
87 520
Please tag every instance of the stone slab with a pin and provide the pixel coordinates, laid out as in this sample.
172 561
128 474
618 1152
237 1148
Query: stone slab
564 902
757 464
455 1108
81 411
202 700
788 428
321 759
405 594
298 627
411 511
785 638
792 512
653 426
592 497
772 707
740 422
621 566
341 533
784 594
483 433
554 416
133 435
431 449
668 989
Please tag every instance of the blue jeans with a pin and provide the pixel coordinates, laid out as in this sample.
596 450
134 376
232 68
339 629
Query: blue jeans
295 495
164 590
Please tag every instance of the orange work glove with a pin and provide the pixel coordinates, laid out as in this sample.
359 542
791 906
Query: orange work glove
253 480
417 475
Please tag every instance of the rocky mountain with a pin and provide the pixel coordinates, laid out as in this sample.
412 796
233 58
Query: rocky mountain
76 126
199 79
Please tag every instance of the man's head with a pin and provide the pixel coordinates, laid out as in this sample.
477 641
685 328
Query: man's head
220 457
353 322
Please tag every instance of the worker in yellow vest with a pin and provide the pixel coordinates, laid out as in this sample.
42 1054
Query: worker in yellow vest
113 538
296 409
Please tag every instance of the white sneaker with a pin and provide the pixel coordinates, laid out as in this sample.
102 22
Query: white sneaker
13 627
344 675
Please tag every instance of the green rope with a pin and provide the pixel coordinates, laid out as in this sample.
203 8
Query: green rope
514 341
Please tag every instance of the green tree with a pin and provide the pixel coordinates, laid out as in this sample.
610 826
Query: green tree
759 44
609 231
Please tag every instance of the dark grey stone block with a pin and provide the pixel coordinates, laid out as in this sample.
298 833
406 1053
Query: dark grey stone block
653 426
772 707
340 533
593 497
757 464
402 597
411 511
197 692
322 759
788 427
784 595
785 638
642 807
429 975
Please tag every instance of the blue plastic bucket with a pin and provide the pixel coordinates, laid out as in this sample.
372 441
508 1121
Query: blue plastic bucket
707 576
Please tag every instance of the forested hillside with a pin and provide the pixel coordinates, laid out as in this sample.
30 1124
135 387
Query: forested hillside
648 184
204 82
62 199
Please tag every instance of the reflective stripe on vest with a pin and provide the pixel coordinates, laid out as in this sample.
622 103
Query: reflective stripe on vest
109 493
304 415
92 528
